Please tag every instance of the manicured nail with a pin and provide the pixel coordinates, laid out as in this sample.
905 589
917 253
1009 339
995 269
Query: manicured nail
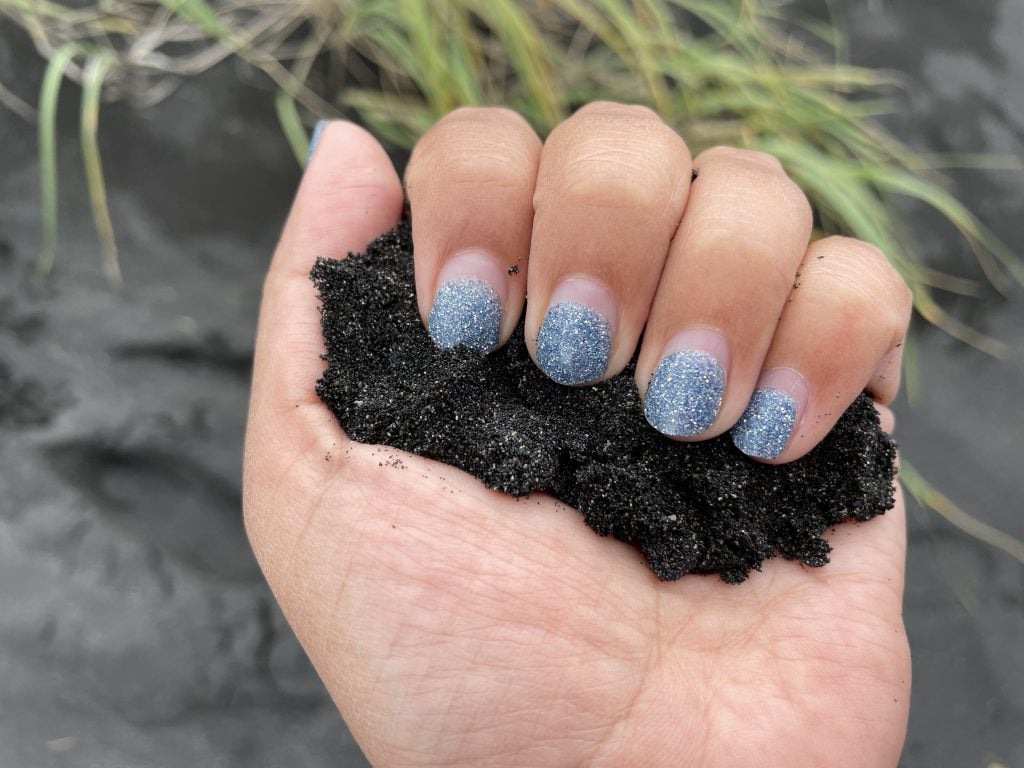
766 426
315 139
686 390
575 340
468 304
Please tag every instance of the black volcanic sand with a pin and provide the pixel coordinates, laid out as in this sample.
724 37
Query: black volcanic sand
689 507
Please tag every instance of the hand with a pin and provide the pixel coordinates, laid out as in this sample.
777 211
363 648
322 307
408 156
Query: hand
456 626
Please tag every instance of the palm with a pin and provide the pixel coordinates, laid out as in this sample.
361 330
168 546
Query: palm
460 626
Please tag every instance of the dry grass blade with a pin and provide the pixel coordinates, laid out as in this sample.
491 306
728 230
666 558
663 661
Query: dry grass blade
16 104
741 72
96 70
751 80
931 498
291 125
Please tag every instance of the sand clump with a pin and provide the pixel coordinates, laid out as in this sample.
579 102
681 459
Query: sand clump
689 507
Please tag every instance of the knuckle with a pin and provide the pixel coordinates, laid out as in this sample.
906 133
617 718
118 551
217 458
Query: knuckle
614 109
760 182
795 201
477 146
767 222
745 156
489 118
603 174
486 163
613 122
862 279
616 155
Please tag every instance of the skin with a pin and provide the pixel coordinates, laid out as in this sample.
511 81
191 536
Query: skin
453 625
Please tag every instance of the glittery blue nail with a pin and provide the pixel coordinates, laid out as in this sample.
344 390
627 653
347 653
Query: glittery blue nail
685 393
765 427
315 139
574 344
467 313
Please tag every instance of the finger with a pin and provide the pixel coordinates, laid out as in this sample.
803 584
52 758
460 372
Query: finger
612 184
841 333
470 184
886 418
349 195
743 234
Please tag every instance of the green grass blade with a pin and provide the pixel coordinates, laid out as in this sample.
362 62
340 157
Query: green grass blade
929 497
93 75
291 125
203 16
463 61
526 52
48 95
38 8
993 255
421 21
397 120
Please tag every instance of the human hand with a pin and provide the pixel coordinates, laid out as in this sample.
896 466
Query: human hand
465 628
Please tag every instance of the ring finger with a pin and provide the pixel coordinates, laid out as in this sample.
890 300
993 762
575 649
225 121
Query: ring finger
729 272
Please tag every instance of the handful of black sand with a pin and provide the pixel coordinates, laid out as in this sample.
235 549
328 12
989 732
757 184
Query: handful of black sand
689 507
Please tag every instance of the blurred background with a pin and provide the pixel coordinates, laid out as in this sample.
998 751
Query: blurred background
135 628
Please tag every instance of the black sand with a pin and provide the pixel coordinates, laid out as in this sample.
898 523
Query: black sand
689 507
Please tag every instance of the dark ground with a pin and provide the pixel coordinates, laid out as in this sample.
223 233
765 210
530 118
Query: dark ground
135 629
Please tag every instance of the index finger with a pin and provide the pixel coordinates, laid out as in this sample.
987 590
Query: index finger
348 196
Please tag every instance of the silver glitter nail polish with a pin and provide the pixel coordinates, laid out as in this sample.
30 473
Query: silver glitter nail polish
314 140
685 393
467 313
765 427
574 344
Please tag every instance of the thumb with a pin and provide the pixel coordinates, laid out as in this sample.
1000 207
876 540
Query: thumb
349 195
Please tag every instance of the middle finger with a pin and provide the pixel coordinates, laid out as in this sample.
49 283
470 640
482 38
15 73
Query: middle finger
611 188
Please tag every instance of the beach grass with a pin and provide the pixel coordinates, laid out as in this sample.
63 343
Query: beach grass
749 73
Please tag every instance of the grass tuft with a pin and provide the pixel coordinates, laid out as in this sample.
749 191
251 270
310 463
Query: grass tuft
749 73
744 72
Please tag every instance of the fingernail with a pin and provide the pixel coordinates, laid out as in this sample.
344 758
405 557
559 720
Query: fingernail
575 340
766 426
468 304
686 390
315 139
